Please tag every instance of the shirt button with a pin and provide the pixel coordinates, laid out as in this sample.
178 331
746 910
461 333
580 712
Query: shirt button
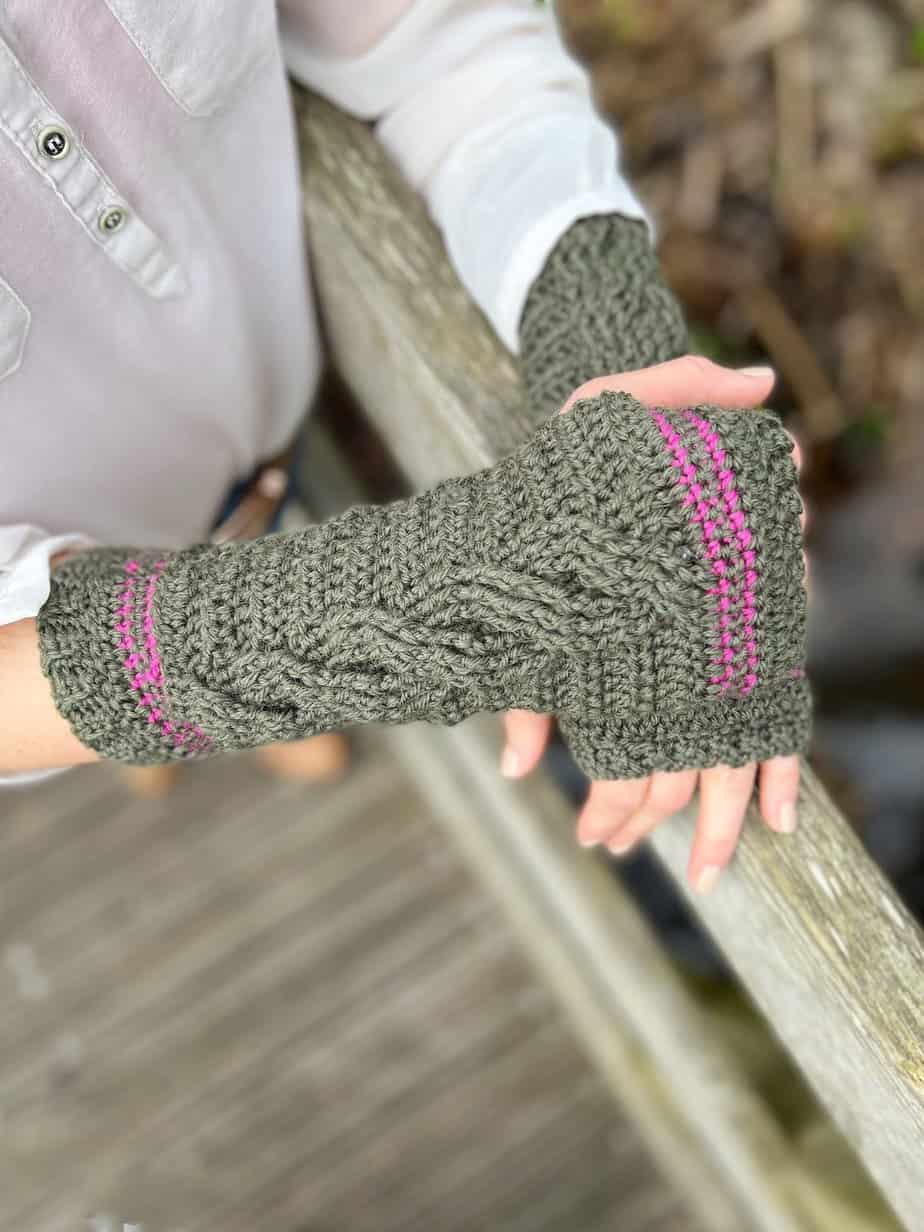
112 219
53 142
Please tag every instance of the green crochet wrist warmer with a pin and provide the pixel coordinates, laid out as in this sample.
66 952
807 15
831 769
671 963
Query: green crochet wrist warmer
637 573
600 305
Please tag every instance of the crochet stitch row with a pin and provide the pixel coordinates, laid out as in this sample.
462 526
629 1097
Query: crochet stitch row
142 662
711 495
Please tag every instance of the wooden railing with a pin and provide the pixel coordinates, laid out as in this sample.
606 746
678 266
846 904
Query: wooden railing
815 933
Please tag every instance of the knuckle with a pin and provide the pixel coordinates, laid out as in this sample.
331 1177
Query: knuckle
671 793
699 363
723 837
670 797
596 824
587 390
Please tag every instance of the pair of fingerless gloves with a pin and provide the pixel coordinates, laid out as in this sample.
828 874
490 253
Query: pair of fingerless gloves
635 572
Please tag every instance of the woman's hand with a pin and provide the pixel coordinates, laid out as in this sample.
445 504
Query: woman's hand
621 813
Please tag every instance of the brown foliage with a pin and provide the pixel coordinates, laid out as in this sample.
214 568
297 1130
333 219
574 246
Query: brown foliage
780 146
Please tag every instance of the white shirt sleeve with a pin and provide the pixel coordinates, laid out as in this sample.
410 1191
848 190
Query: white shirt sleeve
25 572
487 115
25 555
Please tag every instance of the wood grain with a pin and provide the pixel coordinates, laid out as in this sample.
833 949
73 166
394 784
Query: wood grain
256 1007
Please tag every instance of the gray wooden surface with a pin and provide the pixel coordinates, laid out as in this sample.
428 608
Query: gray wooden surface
257 1007
818 937
695 1094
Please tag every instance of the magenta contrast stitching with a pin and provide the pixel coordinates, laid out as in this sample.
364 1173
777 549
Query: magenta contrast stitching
688 477
142 662
712 511
741 539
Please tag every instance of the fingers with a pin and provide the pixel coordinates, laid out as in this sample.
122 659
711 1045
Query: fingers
724 795
527 735
620 814
685 382
607 808
779 793
667 794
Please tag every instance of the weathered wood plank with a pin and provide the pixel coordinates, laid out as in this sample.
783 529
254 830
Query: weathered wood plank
288 1009
816 934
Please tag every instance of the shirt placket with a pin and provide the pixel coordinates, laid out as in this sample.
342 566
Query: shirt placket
51 147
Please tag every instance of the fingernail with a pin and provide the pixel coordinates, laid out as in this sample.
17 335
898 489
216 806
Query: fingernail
788 819
510 763
620 849
761 372
587 842
708 879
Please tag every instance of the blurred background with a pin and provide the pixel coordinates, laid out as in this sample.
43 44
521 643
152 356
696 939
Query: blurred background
259 1005
780 146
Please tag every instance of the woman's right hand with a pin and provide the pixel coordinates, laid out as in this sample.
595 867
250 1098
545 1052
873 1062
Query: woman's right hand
621 813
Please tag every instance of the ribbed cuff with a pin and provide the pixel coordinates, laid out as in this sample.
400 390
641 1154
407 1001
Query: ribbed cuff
100 651
775 722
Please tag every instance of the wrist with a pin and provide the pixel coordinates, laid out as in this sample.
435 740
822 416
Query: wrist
600 305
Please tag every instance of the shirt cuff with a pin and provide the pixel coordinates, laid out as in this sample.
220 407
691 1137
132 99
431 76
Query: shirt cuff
529 257
25 571
508 192
25 568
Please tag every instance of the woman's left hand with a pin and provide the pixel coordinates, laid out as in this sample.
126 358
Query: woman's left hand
619 814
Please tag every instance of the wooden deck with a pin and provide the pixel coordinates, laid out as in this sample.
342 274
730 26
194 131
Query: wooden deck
262 1007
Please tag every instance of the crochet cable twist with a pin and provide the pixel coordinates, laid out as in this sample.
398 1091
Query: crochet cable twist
637 573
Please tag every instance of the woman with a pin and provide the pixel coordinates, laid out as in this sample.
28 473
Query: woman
157 343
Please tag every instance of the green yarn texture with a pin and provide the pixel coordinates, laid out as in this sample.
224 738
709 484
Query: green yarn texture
570 578
600 305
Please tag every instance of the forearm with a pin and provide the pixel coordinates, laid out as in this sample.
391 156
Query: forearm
33 734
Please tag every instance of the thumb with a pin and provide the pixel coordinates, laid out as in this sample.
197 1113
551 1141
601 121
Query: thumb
689 381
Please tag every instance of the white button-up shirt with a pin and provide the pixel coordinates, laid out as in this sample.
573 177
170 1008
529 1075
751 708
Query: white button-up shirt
156 335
